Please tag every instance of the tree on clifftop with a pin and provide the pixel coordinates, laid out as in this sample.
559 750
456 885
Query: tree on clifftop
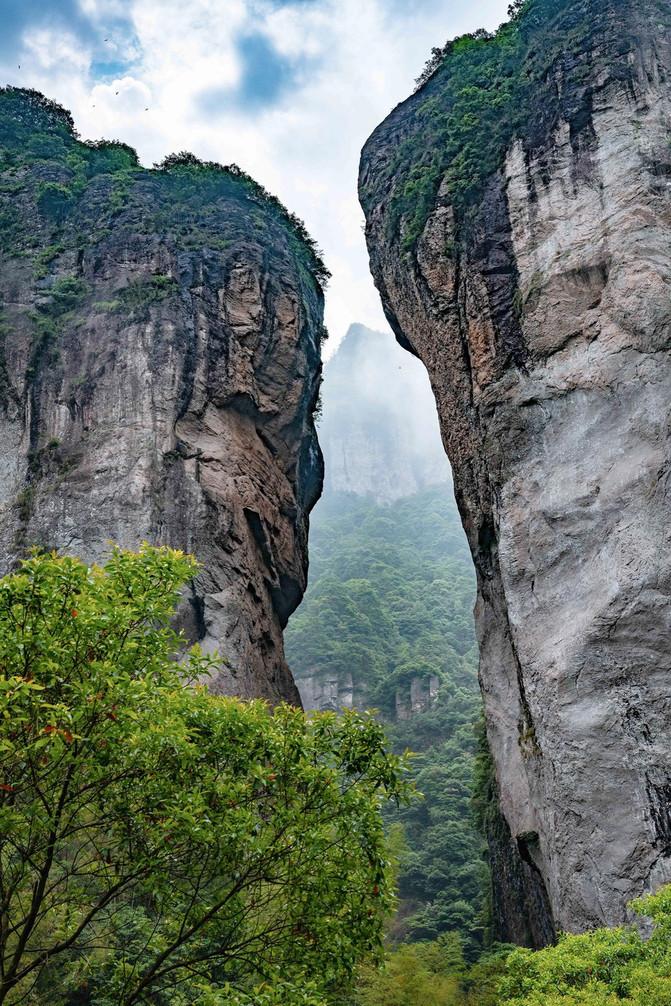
159 844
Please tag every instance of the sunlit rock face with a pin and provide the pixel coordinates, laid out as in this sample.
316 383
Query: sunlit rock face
545 331
160 369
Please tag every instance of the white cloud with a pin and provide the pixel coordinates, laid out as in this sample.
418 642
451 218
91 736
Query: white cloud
360 59
48 51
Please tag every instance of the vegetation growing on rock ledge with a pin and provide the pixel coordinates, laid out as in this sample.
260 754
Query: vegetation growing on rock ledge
475 96
37 132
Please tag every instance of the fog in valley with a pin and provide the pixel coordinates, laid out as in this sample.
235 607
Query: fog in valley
379 427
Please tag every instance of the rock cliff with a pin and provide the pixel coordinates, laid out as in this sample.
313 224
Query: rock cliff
159 369
518 213
379 429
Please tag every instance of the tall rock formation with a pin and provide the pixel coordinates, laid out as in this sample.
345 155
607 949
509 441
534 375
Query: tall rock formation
379 428
518 213
159 368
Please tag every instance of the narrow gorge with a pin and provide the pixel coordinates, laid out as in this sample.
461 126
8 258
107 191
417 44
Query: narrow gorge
160 365
518 215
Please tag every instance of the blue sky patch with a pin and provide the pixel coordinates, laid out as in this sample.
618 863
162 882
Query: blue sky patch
103 70
20 15
266 77
266 74
108 39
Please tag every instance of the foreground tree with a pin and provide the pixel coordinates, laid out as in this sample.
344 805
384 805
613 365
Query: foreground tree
159 844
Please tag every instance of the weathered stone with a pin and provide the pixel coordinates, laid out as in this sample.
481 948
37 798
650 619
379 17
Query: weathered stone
546 338
171 402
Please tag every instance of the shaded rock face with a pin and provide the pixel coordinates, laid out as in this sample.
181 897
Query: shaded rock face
159 385
332 692
379 428
544 325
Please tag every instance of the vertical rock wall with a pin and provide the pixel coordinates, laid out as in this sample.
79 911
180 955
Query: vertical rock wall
160 366
543 314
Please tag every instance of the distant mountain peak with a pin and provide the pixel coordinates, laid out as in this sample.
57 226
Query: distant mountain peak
379 430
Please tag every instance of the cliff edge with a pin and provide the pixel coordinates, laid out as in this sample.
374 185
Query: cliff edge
160 338
518 212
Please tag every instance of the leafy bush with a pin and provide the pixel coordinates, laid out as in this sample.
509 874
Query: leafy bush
138 295
54 200
110 157
432 972
159 844
65 294
607 967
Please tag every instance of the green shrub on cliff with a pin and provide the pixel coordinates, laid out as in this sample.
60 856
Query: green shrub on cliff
159 844
181 197
479 92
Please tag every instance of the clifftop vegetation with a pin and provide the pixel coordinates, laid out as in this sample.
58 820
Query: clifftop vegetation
183 191
476 94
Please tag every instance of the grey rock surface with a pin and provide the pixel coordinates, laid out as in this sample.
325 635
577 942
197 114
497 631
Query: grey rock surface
323 691
560 449
169 399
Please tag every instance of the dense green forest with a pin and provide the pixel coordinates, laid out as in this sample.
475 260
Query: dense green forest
606 967
390 602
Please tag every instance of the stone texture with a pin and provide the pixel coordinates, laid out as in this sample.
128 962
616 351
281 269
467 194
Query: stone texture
182 416
326 691
547 343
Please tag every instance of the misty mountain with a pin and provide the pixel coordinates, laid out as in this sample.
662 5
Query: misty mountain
379 428
387 622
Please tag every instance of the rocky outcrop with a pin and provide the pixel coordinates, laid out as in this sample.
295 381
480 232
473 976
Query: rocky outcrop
538 297
159 370
331 691
326 691
379 429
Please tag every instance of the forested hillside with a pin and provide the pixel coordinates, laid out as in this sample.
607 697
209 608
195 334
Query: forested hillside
387 622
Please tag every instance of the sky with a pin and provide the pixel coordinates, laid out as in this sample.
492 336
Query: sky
288 89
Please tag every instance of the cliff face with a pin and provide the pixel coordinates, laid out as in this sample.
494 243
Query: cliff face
379 428
159 369
529 266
